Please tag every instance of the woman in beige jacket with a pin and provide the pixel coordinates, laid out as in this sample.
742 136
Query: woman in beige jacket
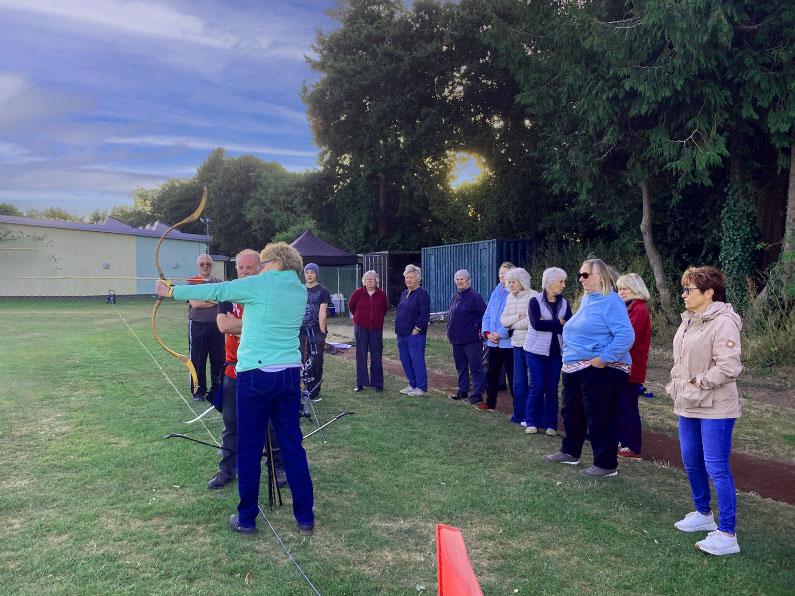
514 319
704 389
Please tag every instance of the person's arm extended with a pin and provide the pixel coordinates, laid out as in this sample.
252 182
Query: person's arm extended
239 290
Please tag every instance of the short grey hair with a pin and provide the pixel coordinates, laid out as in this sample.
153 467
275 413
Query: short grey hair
463 273
552 275
204 257
521 275
413 269
371 273
635 284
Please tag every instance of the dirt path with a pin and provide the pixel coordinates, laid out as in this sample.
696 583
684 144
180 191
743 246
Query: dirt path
769 479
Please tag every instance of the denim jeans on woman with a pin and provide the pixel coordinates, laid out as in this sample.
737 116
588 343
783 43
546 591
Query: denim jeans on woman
521 385
542 401
706 445
412 356
276 396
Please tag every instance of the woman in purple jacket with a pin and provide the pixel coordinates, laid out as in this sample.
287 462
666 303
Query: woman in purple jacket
411 325
465 316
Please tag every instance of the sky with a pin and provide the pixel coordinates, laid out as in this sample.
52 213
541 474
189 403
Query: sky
98 97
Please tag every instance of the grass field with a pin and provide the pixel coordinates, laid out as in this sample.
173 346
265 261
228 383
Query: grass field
93 500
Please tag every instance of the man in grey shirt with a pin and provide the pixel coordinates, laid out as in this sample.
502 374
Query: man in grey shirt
204 338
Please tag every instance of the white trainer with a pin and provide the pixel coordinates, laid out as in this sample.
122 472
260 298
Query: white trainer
523 423
417 392
697 522
407 390
719 543
531 430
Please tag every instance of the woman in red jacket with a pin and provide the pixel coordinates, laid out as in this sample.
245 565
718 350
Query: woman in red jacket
635 294
368 305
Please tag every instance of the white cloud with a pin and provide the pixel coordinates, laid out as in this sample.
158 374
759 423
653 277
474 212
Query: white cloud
204 144
146 19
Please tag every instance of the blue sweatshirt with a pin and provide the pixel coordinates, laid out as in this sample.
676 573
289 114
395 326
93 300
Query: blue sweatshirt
274 302
491 318
600 327
413 310
465 316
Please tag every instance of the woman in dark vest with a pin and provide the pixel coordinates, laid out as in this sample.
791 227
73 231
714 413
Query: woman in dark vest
547 313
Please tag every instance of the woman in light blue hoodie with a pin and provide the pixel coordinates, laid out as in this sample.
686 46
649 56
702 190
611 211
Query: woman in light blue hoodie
596 363
500 352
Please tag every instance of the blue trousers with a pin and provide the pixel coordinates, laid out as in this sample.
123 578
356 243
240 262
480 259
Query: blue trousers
629 429
275 396
521 385
590 398
706 445
542 401
369 342
469 358
412 356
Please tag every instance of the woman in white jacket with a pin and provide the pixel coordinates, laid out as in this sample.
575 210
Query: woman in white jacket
514 319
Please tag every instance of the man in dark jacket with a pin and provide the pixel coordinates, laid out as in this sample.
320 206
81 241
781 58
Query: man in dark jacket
463 331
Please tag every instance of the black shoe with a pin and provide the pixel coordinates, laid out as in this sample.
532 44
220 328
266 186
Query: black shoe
458 396
234 523
358 388
220 480
304 529
379 389
199 396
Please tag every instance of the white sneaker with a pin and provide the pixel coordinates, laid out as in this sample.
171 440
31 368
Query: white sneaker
551 432
697 522
531 430
719 543
407 390
417 392
523 423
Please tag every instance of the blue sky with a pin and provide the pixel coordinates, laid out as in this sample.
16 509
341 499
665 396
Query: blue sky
98 97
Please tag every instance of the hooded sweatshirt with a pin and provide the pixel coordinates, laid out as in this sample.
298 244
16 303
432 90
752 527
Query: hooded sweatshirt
707 364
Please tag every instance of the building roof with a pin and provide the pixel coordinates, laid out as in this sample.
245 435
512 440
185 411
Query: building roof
109 225
314 250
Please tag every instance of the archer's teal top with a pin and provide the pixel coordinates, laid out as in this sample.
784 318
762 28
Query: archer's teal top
274 304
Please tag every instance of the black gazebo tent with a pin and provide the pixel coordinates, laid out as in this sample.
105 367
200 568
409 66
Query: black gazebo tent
338 269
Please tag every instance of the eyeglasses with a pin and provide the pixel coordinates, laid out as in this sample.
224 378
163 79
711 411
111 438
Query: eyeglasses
687 290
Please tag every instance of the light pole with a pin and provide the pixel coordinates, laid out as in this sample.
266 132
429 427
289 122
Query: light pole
207 221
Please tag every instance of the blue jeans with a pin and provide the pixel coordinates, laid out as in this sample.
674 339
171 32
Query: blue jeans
706 445
469 358
412 356
369 341
521 385
542 401
276 396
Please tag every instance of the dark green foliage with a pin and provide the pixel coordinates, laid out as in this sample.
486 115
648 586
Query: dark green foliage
9 209
738 238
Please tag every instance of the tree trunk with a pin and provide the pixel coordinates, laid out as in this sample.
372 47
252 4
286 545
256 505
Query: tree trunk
788 250
786 259
651 251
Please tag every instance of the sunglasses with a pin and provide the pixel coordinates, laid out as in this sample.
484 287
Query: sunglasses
584 275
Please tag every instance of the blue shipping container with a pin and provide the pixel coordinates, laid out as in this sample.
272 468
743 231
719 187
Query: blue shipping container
481 259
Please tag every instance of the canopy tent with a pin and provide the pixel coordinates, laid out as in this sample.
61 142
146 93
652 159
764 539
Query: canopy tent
338 269
314 250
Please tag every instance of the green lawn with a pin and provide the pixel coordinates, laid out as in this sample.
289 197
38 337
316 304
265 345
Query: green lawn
95 501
